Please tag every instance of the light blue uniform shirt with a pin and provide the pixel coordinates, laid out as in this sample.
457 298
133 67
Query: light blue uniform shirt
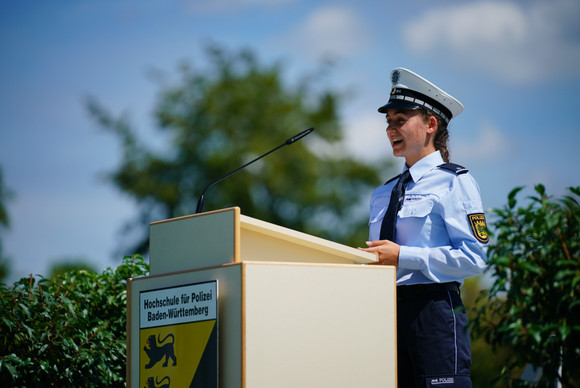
436 226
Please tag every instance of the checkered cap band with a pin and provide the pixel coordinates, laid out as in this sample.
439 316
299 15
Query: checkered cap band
412 97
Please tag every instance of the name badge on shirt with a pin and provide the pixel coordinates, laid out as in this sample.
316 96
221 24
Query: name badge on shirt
415 197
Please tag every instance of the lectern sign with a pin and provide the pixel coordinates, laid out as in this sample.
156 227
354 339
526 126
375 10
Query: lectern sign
178 336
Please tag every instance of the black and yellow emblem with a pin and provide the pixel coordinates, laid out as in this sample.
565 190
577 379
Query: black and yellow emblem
479 227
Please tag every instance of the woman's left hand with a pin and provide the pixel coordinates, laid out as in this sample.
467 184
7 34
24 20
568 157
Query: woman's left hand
387 252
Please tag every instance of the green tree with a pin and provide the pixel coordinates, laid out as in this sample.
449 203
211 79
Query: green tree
62 266
533 305
5 196
220 118
66 331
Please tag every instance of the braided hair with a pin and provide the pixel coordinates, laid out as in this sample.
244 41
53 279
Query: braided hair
441 140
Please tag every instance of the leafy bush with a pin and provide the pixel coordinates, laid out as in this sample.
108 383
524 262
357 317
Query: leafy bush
68 331
533 305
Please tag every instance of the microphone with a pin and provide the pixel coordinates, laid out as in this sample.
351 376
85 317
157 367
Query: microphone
291 140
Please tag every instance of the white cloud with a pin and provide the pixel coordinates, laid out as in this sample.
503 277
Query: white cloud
366 136
490 143
517 42
332 30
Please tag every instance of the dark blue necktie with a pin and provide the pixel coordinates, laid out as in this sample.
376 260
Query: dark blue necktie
397 196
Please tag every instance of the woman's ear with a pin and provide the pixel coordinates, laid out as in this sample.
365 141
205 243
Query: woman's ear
432 125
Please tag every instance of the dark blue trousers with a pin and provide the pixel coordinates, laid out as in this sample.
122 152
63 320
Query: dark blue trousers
433 345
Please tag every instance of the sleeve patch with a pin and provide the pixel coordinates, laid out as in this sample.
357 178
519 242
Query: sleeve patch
479 227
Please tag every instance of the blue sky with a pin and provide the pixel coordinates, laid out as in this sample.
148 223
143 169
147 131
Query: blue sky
515 65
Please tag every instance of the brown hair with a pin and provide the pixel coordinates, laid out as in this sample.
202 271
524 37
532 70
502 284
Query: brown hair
441 140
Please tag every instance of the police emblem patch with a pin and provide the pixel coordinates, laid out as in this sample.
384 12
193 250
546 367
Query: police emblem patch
395 76
479 227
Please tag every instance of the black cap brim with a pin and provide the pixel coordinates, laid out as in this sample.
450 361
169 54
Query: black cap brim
399 104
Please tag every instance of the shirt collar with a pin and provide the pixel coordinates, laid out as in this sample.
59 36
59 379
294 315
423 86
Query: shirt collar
425 165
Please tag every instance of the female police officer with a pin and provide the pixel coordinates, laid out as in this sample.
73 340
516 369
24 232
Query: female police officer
429 223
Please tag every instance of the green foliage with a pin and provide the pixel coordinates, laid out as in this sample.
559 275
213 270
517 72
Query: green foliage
533 305
68 331
218 119
5 196
63 266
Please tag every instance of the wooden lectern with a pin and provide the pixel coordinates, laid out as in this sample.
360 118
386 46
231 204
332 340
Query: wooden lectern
291 310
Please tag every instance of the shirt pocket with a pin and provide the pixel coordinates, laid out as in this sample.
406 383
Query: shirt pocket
414 224
417 208
378 209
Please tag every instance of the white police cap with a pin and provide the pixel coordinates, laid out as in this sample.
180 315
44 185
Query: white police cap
410 91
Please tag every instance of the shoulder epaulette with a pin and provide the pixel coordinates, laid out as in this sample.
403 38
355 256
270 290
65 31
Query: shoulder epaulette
393 178
456 168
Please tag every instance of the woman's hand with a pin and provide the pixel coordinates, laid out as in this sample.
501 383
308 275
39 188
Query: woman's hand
387 252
